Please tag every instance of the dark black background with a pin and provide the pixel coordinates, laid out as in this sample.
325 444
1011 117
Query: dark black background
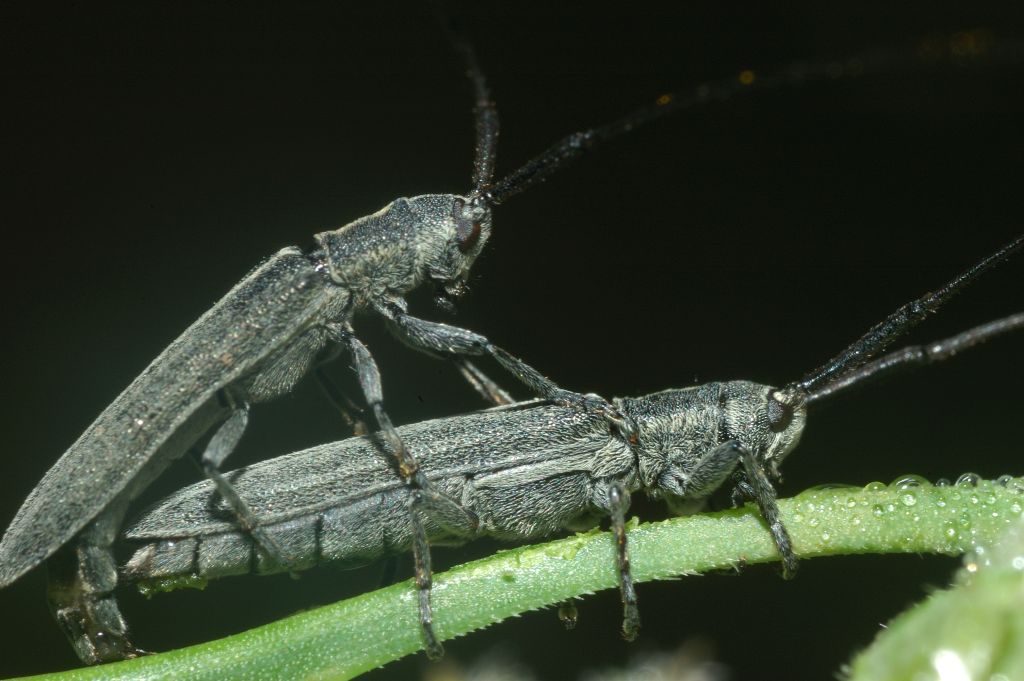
154 153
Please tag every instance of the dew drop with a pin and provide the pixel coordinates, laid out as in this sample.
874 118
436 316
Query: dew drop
829 486
874 487
908 499
908 481
968 480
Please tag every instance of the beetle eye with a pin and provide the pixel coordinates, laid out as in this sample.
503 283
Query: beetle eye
779 415
468 234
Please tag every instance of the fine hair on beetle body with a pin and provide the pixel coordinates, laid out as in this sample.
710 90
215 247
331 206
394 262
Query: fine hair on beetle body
745 241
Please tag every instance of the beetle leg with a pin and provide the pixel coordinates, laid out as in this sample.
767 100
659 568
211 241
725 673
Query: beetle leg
449 514
408 469
81 578
713 469
434 337
755 485
217 450
618 502
481 382
429 503
350 412
707 475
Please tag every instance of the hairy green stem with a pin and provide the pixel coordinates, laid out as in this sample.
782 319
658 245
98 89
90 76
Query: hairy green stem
341 641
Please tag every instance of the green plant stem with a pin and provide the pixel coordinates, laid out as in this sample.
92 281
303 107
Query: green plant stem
343 640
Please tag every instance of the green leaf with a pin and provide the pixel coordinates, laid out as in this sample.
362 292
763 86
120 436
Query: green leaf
972 631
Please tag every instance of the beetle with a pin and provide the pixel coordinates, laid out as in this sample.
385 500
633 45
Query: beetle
710 317
528 470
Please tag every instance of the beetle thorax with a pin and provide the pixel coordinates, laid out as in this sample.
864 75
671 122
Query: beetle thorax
434 237
679 432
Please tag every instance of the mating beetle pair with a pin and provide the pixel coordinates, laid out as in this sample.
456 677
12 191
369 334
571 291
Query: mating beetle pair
698 331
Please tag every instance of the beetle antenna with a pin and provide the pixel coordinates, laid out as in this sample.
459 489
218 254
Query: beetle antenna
918 355
857 355
485 113
957 49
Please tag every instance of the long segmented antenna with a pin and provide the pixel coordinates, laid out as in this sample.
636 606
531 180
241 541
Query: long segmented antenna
960 46
815 385
919 355
895 325
485 113
486 117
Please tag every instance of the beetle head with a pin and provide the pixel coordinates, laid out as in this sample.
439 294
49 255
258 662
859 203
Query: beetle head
468 226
